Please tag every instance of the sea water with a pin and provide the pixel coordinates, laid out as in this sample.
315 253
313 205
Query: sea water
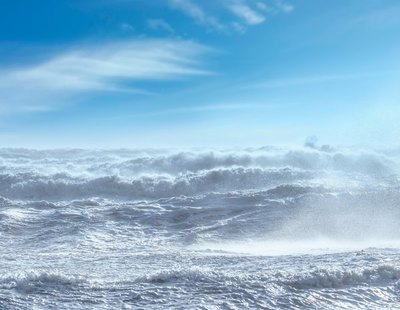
260 228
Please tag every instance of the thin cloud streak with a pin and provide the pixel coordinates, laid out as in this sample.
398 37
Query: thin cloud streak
281 83
98 68
209 108
388 16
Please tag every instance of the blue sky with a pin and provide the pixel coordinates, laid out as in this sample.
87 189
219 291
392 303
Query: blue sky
160 73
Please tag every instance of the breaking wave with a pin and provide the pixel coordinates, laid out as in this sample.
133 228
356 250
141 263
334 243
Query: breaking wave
316 279
128 163
75 174
37 187
326 278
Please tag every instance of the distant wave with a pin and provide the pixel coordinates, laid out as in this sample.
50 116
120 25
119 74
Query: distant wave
304 159
78 174
38 187
325 278
127 163
317 279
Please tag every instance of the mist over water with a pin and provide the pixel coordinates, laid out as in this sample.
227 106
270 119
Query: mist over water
263 227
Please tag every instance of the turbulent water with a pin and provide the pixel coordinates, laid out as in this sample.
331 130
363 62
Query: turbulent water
267 228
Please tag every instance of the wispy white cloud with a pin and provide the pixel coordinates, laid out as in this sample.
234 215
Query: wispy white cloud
223 107
98 68
227 15
249 15
196 11
206 108
126 27
262 6
283 6
160 24
386 16
224 16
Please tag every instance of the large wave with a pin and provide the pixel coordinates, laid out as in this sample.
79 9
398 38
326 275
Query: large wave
72 174
38 187
128 163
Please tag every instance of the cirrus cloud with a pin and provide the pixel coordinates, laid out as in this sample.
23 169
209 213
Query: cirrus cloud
89 69
237 14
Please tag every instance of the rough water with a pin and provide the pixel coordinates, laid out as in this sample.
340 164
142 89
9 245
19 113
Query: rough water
266 228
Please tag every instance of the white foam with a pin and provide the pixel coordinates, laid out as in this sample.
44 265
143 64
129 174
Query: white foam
315 246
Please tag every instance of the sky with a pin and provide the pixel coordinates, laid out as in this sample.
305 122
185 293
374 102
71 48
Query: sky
199 73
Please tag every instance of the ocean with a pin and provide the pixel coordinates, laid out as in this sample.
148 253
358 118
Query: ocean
240 228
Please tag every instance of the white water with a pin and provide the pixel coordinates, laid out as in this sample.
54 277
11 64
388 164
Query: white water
260 228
